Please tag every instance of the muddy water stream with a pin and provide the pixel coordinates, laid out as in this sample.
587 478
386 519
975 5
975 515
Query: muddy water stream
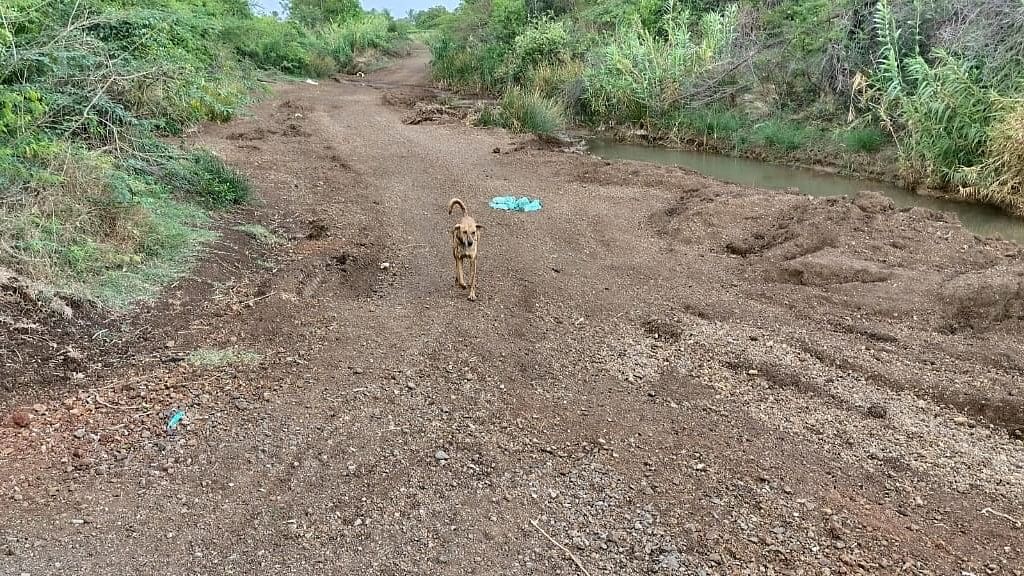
982 220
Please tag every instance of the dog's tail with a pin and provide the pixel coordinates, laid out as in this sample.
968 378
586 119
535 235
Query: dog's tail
456 202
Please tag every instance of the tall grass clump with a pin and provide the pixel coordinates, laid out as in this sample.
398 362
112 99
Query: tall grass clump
866 140
939 109
526 111
641 76
782 135
1000 179
712 122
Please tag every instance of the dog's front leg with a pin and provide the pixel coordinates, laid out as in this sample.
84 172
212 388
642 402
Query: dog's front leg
472 279
460 280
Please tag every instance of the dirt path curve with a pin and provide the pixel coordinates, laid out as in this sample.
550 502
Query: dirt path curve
666 374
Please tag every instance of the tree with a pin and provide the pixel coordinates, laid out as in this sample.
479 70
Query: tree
315 12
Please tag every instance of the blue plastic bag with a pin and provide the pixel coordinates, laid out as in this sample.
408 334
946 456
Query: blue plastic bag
175 419
512 203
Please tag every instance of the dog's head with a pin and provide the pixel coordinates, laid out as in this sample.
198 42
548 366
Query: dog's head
466 233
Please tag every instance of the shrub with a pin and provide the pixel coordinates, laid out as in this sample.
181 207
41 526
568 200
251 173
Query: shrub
562 81
489 117
544 41
270 43
321 65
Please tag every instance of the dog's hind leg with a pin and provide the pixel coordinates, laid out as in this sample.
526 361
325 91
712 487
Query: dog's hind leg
472 279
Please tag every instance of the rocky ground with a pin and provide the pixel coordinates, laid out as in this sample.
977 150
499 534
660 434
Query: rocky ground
664 374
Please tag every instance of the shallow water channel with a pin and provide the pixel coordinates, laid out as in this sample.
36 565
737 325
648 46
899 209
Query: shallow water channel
982 220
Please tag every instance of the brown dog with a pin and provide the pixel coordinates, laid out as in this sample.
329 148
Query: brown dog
465 237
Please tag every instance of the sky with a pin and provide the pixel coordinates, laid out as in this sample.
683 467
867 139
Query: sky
397 8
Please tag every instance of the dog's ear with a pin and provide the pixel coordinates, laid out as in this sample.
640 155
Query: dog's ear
455 229
480 226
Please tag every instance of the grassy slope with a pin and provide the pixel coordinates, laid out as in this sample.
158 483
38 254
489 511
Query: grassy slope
92 203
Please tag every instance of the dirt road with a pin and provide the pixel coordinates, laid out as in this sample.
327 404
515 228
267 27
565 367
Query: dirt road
664 374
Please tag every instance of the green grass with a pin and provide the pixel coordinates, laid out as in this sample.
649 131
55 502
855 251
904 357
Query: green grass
489 116
867 140
782 135
171 250
260 234
711 122
220 357
523 111
212 182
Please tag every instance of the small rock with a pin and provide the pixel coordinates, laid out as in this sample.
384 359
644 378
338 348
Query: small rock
80 433
441 456
497 150
669 562
39 408
961 421
21 418
877 411
77 521
357 370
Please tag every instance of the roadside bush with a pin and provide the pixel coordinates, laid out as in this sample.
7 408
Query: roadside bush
270 43
543 42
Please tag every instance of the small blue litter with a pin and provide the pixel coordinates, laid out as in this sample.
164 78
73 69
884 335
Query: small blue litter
176 419
522 204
